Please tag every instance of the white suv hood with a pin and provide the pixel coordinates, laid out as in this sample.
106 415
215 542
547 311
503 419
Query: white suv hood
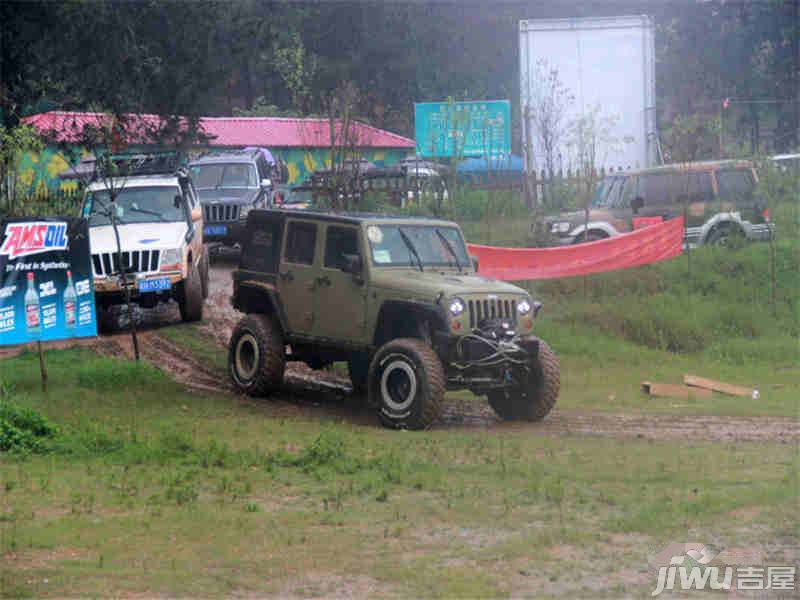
138 236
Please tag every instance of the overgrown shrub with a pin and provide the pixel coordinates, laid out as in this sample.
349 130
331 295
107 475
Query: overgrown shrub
23 430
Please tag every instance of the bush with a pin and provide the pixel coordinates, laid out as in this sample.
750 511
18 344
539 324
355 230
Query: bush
23 430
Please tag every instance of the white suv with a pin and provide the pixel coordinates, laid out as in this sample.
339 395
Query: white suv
160 227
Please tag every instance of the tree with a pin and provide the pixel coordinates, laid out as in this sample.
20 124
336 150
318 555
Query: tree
14 142
547 110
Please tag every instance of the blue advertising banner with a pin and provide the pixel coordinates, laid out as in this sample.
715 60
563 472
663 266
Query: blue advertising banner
463 128
46 286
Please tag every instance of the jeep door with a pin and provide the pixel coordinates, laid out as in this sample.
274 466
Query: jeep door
341 299
297 274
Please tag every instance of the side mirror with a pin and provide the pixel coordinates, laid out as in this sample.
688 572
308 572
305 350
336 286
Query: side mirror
266 184
177 201
474 260
352 264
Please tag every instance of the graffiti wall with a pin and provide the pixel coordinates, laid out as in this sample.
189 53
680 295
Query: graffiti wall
39 171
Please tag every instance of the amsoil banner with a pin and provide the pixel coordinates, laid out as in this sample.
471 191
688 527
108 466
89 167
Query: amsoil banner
46 287
644 246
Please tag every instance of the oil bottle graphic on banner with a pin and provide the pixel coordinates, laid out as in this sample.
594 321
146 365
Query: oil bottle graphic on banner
70 302
32 315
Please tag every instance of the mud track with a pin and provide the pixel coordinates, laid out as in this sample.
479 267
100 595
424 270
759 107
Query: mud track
325 395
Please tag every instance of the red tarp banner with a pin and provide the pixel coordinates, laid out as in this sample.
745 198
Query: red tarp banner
651 244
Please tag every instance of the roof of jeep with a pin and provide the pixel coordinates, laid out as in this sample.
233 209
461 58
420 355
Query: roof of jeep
233 156
701 165
137 181
348 217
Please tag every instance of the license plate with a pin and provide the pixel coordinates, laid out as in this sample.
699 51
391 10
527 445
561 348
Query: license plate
154 285
215 230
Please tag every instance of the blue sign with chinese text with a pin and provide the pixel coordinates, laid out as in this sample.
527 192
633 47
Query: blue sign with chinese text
463 129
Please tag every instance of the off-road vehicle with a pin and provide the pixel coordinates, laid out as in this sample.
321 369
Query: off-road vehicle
230 184
399 300
160 228
719 198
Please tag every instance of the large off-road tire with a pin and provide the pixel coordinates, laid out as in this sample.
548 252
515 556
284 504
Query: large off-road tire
358 368
204 266
726 236
406 384
190 299
531 400
256 355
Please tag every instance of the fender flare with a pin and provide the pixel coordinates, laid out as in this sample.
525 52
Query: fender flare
261 288
723 219
603 226
434 312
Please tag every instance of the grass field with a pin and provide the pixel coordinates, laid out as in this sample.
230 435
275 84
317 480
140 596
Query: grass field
148 489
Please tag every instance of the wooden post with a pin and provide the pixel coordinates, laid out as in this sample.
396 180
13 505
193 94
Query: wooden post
42 368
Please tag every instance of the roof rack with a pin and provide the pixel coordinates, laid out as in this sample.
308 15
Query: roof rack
151 163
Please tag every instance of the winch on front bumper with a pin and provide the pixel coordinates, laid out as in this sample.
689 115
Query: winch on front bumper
492 356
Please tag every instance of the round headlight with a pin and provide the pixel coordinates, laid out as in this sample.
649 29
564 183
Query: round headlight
456 306
524 307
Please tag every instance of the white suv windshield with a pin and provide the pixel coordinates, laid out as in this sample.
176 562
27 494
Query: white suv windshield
389 249
136 205
216 175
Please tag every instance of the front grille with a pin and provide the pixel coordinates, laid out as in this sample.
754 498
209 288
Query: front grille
138 261
491 308
215 213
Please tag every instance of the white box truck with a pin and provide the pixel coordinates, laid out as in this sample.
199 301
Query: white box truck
606 66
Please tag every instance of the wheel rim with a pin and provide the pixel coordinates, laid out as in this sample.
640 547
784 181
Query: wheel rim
247 356
398 386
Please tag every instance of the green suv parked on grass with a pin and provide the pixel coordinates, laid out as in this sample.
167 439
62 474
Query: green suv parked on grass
399 300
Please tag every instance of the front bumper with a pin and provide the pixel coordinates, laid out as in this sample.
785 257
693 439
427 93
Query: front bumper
113 284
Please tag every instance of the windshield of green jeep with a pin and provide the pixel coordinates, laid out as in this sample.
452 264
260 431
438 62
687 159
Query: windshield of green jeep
390 250
135 205
224 175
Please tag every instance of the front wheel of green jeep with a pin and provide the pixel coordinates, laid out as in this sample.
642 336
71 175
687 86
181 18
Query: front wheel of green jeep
535 392
256 355
406 383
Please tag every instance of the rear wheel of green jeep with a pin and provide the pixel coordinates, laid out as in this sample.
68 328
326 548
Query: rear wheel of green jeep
535 394
190 300
256 355
406 383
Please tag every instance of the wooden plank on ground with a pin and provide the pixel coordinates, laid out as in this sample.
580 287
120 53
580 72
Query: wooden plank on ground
674 390
720 386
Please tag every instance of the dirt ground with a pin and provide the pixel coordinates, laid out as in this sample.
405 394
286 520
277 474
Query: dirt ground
323 394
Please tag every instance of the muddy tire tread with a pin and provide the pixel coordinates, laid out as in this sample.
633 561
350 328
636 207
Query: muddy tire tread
541 400
273 362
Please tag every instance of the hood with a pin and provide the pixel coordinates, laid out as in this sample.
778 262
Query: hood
229 195
138 236
430 283
577 217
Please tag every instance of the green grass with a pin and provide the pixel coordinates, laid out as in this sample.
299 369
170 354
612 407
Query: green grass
154 490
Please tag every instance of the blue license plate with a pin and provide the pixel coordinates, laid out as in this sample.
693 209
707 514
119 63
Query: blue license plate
154 285
215 230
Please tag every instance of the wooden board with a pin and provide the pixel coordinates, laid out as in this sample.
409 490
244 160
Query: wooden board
720 386
674 390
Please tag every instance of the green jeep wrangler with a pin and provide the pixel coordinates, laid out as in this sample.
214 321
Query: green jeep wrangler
399 300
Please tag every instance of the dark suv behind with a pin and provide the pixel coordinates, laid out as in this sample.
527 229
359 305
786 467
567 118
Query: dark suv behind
230 185
719 197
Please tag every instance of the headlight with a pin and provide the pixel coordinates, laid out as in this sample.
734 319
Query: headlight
523 307
456 306
560 227
172 256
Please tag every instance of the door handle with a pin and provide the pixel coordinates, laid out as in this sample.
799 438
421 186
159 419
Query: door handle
323 280
287 275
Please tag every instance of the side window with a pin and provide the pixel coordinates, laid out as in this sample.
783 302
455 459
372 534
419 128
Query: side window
700 189
262 247
339 242
735 185
301 240
660 189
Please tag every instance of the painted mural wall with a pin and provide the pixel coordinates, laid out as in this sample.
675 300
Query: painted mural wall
39 171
